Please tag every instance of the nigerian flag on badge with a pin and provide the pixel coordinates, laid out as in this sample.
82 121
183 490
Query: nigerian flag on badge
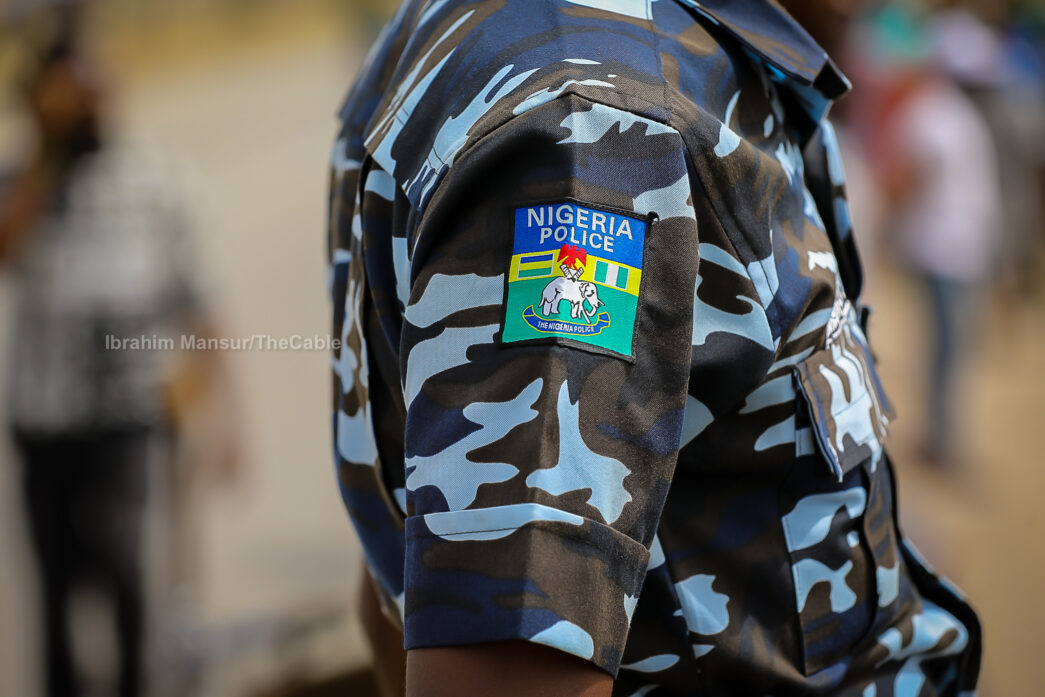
574 275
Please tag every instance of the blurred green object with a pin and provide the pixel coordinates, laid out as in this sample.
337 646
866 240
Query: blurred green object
900 35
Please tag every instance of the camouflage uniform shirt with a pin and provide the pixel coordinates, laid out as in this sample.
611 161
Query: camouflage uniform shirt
604 383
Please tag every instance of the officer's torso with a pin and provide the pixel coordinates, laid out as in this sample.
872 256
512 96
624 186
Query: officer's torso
776 567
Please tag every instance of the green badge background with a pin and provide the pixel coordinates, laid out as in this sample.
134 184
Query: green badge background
620 306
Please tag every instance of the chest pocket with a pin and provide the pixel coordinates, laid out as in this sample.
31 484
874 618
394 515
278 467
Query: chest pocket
847 407
834 533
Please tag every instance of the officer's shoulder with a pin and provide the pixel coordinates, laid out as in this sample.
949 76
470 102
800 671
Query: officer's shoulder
462 70
499 55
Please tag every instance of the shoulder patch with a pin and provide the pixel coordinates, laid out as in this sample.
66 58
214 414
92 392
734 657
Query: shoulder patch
574 277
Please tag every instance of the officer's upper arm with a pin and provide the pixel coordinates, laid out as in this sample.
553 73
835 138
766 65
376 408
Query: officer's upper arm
545 358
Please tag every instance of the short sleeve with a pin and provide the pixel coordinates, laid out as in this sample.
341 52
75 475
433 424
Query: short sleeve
545 357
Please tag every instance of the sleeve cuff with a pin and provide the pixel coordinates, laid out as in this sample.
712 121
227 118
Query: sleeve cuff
524 571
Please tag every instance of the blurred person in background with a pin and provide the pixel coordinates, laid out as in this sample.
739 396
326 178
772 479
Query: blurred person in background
99 242
1001 66
940 176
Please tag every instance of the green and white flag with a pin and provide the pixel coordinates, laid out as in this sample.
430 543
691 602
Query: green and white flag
611 274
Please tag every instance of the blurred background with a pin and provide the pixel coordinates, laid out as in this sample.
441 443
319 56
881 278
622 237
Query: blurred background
215 119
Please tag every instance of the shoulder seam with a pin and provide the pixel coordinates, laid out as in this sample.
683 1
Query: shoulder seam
586 92
569 92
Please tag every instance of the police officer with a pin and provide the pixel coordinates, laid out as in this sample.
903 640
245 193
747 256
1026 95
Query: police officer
606 419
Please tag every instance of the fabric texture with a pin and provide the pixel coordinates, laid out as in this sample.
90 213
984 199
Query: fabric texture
709 508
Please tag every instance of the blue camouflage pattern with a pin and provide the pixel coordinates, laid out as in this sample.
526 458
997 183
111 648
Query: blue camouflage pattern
714 511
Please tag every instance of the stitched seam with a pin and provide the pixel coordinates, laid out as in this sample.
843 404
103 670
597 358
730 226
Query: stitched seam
572 534
472 532
571 91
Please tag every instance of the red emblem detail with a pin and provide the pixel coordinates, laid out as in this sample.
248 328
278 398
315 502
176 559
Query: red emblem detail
573 255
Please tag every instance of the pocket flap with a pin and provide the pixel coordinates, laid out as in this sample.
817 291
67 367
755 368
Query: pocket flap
847 405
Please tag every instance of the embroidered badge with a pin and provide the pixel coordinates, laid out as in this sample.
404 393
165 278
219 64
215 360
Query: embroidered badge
575 274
